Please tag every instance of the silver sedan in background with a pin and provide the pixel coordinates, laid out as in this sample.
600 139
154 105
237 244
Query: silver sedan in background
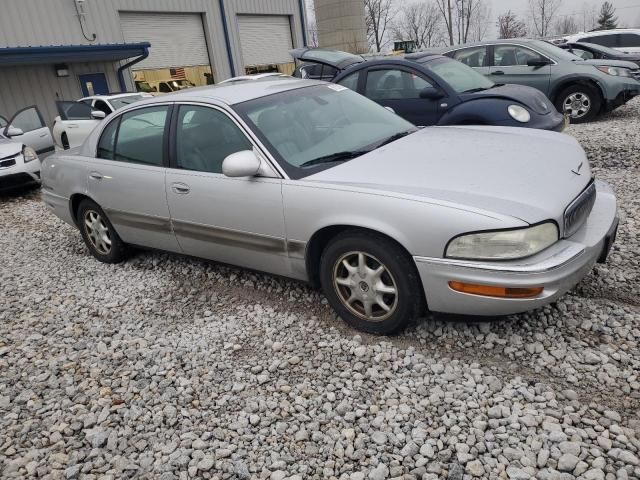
312 181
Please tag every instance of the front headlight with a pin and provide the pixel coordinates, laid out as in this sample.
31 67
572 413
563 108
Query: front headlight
615 71
503 244
519 113
29 154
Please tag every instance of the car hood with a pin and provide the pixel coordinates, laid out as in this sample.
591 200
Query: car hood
612 63
530 97
522 173
9 148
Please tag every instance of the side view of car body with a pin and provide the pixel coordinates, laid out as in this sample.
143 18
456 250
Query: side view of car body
19 164
623 39
312 181
581 88
78 119
592 51
428 89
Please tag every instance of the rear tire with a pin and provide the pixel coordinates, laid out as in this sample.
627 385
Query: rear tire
371 282
581 102
99 235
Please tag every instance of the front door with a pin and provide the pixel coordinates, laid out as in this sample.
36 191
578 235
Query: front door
232 220
399 89
93 84
510 66
35 132
127 177
77 120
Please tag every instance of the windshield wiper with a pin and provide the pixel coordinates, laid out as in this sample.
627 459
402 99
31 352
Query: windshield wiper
393 138
334 157
474 90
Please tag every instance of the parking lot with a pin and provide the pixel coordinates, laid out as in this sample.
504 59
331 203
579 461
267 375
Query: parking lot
172 367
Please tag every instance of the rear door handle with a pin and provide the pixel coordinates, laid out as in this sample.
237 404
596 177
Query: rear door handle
499 72
180 188
95 175
72 125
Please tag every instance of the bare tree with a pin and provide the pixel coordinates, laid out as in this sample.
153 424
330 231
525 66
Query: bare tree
589 17
446 10
566 25
379 14
480 23
510 26
542 14
420 22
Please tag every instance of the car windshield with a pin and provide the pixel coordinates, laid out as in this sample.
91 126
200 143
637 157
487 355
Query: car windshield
600 48
315 127
553 51
144 87
120 102
461 77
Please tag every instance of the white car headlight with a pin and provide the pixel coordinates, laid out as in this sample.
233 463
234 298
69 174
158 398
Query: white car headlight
615 71
29 154
519 113
503 244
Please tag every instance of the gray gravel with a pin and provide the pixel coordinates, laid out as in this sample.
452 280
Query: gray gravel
173 368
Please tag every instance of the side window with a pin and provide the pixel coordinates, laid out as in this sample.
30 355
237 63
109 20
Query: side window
474 57
164 88
102 106
351 81
205 137
604 40
27 120
394 85
106 144
512 55
140 136
628 40
584 54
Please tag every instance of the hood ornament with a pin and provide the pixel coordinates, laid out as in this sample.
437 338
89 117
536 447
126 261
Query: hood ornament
577 170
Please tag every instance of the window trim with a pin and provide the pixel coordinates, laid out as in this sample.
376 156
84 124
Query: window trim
488 55
492 58
402 68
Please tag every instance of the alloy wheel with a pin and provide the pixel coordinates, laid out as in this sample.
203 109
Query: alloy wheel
97 232
365 286
577 105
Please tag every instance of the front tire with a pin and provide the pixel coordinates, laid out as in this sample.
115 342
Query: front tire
99 235
371 282
581 102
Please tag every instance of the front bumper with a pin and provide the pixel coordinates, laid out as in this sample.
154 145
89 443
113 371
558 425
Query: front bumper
19 174
557 269
629 90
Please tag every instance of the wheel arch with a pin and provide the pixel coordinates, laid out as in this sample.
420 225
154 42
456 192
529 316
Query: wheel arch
74 204
577 81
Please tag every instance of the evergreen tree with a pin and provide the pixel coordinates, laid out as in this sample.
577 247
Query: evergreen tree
607 19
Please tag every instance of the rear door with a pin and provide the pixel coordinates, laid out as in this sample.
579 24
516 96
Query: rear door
510 66
77 122
475 57
35 132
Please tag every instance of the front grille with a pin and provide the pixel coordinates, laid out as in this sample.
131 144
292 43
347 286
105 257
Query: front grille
578 210
9 162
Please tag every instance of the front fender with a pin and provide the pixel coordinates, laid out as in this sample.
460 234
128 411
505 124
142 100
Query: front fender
481 111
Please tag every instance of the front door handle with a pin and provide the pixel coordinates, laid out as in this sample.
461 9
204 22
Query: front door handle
180 188
498 72
96 175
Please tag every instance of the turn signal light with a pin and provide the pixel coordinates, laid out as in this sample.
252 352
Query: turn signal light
491 291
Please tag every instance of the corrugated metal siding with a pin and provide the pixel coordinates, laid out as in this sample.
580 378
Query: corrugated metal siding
177 39
265 39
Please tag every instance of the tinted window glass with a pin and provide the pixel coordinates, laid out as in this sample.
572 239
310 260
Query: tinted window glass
102 106
474 57
27 120
394 85
205 137
351 81
74 110
512 55
606 40
629 40
107 141
164 88
141 135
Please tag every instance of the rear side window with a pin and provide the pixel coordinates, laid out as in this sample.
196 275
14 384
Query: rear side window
513 55
141 135
106 145
351 81
474 57
629 40
605 40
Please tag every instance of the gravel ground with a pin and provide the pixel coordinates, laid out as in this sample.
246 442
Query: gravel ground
169 367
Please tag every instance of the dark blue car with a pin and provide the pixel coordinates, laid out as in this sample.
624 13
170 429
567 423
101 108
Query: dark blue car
430 89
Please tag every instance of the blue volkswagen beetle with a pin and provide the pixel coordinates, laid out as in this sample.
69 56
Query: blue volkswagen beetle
431 89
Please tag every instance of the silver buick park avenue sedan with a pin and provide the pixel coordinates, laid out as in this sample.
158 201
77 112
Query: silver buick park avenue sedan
312 181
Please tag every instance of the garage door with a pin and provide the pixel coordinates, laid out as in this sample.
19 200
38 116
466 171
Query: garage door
177 39
265 39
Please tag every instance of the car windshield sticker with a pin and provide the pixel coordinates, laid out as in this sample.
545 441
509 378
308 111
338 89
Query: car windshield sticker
337 88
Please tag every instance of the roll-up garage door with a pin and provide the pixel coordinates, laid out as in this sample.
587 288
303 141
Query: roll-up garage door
265 39
177 39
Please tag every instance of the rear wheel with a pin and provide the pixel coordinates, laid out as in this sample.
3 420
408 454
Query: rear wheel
99 235
580 102
371 282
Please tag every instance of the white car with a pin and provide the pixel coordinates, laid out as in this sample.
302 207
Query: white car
27 127
19 163
624 39
78 119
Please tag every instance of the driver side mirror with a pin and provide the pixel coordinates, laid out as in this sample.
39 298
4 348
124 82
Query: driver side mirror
431 93
13 132
241 164
98 114
540 62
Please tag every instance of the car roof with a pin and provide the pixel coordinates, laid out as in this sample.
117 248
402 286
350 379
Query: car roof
597 33
233 93
516 41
